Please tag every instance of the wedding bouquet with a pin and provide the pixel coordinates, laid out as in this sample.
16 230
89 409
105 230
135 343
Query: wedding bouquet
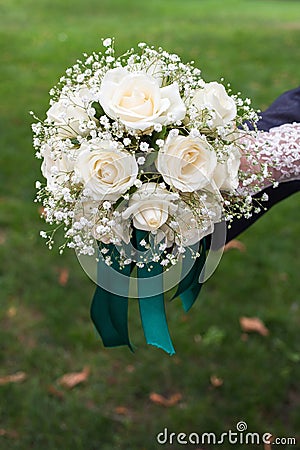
142 157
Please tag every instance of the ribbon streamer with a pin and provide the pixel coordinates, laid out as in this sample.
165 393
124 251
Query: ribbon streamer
109 312
152 307
189 288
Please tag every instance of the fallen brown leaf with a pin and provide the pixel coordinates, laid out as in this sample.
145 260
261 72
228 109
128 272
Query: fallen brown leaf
8 433
70 380
63 276
216 381
122 410
11 312
235 244
253 324
17 377
165 401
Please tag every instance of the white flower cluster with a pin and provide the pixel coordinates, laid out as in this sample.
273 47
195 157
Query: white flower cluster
141 142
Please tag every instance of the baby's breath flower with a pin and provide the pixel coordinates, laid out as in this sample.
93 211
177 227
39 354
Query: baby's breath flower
107 42
165 262
126 141
158 127
106 205
160 143
109 59
141 160
127 261
144 146
138 183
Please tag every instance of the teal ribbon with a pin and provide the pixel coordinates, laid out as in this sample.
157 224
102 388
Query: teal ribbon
152 306
189 288
109 312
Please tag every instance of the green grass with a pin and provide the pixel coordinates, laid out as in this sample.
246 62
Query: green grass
45 329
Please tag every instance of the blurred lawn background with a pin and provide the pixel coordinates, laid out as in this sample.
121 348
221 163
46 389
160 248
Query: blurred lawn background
45 330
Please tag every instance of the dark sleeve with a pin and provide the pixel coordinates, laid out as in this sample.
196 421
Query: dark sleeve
285 109
283 191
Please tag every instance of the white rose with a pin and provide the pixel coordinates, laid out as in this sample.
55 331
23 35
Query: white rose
226 173
70 112
105 171
55 166
214 97
186 163
150 207
138 101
